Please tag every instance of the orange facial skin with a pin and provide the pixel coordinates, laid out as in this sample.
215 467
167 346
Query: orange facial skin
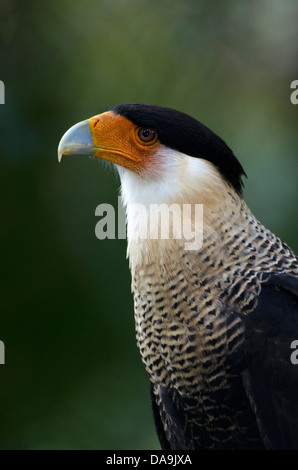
118 141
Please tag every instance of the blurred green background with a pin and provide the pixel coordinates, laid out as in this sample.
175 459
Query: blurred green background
73 377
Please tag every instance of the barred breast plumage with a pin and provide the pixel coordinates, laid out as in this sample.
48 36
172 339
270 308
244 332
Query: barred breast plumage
189 313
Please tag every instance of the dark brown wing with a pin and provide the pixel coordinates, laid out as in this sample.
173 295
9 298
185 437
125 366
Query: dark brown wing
271 376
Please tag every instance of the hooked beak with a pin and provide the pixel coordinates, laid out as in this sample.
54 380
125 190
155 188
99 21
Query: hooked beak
77 141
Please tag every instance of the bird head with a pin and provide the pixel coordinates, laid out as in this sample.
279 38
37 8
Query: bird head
158 149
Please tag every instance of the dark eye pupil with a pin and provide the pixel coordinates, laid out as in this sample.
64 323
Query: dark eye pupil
147 135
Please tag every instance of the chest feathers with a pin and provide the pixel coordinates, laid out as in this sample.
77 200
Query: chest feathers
190 266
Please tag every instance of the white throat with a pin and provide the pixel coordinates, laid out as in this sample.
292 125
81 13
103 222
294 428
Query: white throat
181 180
181 177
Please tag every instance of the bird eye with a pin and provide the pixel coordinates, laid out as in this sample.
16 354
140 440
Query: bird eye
147 135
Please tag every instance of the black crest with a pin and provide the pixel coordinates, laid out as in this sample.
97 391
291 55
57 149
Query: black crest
181 132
